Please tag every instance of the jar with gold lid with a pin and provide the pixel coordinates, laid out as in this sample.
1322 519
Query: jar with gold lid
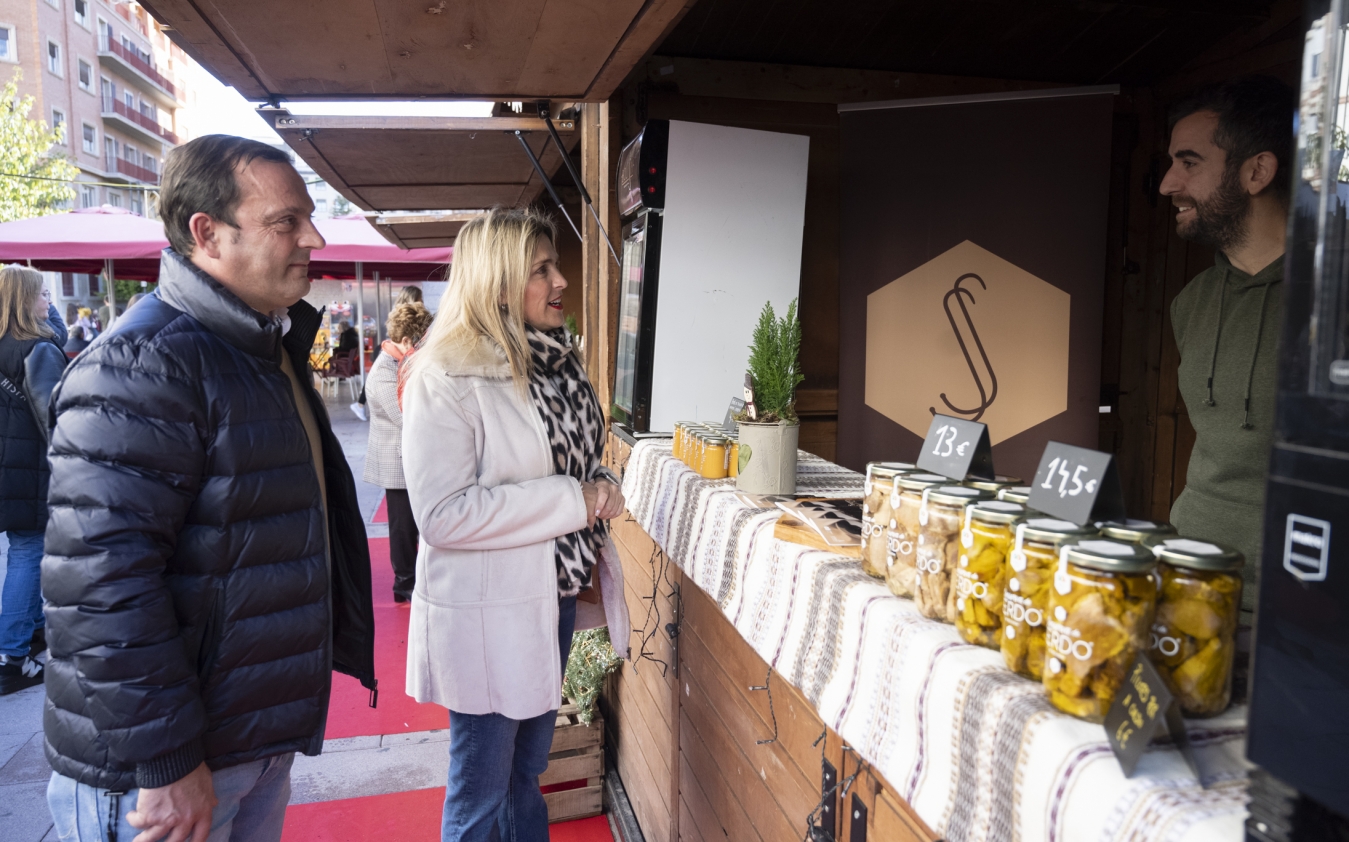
985 543
902 533
1015 494
1030 571
714 462
876 490
1194 635
1101 608
1135 531
994 485
941 516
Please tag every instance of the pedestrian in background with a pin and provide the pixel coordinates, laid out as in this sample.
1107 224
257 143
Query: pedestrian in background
207 566
77 342
31 363
502 444
406 325
348 342
406 295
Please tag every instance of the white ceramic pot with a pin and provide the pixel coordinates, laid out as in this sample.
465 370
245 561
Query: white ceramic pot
767 458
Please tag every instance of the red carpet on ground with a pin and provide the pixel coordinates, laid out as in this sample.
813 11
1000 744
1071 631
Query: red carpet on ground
405 817
349 711
382 512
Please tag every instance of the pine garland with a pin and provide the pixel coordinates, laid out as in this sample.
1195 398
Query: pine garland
592 660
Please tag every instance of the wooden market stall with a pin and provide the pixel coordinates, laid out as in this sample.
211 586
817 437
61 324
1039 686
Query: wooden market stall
707 741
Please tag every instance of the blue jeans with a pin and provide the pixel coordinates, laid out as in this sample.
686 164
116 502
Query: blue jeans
495 762
252 808
21 600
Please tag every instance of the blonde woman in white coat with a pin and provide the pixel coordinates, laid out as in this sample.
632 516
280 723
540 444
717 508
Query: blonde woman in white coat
502 441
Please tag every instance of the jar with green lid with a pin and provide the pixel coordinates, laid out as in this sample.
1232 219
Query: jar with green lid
880 482
902 533
1015 494
1135 531
1030 573
1194 635
994 485
941 516
1101 607
985 543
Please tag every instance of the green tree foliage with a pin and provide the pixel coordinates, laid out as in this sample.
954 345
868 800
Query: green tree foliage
774 364
341 207
126 289
26 149
592 660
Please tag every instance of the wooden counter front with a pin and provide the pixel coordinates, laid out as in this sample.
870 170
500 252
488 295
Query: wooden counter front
694 745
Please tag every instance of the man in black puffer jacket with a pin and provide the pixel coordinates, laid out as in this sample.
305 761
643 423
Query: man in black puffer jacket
206 566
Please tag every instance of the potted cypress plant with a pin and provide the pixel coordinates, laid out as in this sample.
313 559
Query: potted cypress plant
769 428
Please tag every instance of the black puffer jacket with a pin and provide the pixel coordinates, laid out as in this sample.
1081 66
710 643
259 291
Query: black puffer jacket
191 614
31 367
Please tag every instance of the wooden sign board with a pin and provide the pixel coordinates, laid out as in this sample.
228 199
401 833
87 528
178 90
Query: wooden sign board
957 448
1077 485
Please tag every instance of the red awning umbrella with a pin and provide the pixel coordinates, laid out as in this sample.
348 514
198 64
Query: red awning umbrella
81 240
352 240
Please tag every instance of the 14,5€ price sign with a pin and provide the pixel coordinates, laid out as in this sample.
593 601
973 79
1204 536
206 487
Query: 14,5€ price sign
1077 484
957 448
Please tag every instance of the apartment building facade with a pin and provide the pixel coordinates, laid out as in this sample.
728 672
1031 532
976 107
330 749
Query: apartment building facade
105 71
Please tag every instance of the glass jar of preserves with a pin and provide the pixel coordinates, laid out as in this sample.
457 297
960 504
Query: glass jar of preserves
901 538
677 443
880 482
985 543
1101 607
1194 635
733 466
1134 531
715 461
941 516
1035 553
1015 494
994 485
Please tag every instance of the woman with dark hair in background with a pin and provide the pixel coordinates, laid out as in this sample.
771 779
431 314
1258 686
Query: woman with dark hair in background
31 363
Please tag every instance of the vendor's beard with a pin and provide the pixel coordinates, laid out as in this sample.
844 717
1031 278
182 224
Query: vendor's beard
1221 221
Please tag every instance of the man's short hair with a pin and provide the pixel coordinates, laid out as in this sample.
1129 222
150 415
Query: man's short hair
1255 114
199 178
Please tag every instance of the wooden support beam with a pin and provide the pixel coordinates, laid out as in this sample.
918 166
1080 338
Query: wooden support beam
279 118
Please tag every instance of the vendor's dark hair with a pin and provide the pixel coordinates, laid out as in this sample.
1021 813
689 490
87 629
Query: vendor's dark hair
1255 114
199 178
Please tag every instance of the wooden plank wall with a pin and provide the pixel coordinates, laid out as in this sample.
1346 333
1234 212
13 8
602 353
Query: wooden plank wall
703 755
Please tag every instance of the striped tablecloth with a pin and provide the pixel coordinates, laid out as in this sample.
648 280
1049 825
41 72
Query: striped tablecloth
975 749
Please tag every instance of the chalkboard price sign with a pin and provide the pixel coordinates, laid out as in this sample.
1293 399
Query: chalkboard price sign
1143 706
957 448
1077 484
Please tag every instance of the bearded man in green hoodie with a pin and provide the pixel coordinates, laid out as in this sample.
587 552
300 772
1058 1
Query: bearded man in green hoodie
1229 181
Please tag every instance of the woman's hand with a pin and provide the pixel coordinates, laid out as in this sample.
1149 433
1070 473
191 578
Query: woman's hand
603 500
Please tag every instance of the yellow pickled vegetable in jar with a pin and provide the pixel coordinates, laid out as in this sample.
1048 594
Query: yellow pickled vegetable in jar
1101 607
1194 634
716 454
985 543
1025 600
993 486
941 517
880 482
901 535
1135 531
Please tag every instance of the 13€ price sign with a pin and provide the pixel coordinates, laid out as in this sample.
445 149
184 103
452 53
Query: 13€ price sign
1077 484
957 448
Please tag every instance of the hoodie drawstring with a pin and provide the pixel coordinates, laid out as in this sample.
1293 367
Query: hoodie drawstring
1217 334
1255 353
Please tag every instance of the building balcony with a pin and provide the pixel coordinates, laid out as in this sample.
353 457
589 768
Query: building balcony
130 120
125 168
130 65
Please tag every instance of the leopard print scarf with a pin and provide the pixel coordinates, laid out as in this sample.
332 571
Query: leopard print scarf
575 426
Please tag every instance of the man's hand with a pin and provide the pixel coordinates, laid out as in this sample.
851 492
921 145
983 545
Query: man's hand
176 812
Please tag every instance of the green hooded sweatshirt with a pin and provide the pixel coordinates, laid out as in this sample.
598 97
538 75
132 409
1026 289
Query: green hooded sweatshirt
1227 327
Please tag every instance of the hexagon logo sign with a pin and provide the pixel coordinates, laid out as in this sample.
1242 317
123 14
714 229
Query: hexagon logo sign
971 335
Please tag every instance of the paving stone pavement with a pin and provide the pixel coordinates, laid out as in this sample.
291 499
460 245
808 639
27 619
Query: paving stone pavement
348 768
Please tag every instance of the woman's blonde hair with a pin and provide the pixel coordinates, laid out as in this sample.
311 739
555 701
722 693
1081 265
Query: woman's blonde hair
19 289
408 321
493 255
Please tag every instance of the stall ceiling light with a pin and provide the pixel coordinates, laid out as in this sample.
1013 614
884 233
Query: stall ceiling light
378 108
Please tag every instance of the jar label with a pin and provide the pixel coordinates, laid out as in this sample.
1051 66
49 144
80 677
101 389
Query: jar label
1065 642
1017 609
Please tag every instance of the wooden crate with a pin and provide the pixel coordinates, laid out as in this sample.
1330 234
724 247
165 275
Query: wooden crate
577 755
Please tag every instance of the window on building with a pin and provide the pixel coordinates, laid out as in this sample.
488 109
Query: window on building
110 151
8 51
137 204
95 284
82 13
54 57
67 284
90 139
131 154
88 196
114 198
55 4
59 124
130 100
86 74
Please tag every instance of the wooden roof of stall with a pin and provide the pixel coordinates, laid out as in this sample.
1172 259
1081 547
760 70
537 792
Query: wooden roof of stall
406 49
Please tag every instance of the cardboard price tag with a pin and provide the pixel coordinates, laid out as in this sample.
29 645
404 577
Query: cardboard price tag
957 448
1077 484
1144 705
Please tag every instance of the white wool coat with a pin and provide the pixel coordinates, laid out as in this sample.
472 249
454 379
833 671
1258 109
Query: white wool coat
479 469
